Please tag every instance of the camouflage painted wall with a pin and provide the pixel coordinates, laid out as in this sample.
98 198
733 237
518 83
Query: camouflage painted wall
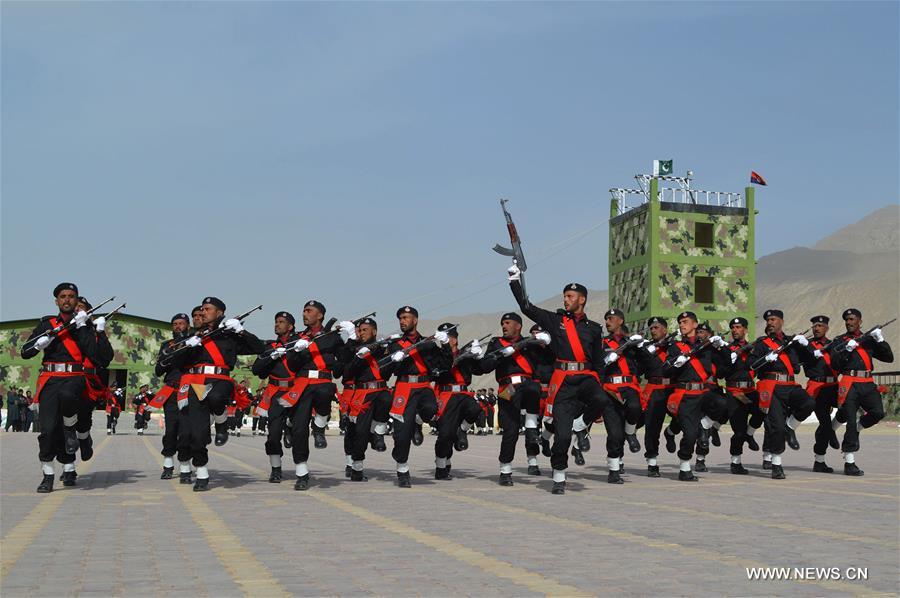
732 287
629 238
731 235
630 289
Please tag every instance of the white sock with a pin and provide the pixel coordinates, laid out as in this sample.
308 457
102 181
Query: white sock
506 468
612 463
701 459
776 459
202 473
820 458
531 420
69 467
684 466
717 425
275 460
440 462
751 430
578 425
849 458
168 462
184 466
706 423
348 459
792 422
321 421
357 465
630 428
47 468
70 421
448 462
83 435
221 418
859 426
735 459
300 469
419 420
559 475
381 428
651 461
464 426
532 461
835 424
402 467
767 456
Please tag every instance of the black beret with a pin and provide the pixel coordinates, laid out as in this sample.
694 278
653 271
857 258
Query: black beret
214 301
450 329
87 303
287 316
65 286
614 312
657 320
578 288
819 320
536 328
773 312
179 317
316 304
407 309
511 315
741 321
196 309
851 312
687 314
705 327
371 322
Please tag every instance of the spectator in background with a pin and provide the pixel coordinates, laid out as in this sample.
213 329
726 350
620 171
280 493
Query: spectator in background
12 411
23 411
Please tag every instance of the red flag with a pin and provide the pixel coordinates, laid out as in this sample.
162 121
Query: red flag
756 178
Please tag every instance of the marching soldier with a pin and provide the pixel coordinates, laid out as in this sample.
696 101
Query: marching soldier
61 384
196 319
515 362
776 360
94 386
176 439
656 391
115 398
714 408
822 386
853 356
575 391
140 402
205 383
741 397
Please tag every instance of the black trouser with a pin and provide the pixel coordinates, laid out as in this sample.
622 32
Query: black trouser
787 399
376 408
278 413
459 407
177 437
421 401
865 396
738 413
634 415
263 423
315 396
85 417
614 420
199 412
654 418
60 397
825 401
481 420
489 417
111 420
713 405
690 412
577 395
10 422
349 432
527 396
140 422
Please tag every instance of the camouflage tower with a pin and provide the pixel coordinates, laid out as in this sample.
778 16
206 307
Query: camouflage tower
677 248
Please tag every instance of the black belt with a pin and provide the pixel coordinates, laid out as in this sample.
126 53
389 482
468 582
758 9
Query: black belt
742 384
824 379
413 379
858 373
778 377
372 385
572 366
693 385
208 369
66 368
659 380
515 379
281 383
453 388
349 385
314 374
619 379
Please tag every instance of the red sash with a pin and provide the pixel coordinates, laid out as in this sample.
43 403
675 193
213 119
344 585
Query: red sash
648 391
160 398
782 355
556 382
401 397
71 346
678 394
615 390
814 388
846 383
344 398
241 397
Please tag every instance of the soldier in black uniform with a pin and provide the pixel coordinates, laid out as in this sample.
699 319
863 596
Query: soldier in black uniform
115 400
61 384
822 386
413 401
853 357
741 397
575 389
544 365
95 388
515 361
140 401
779 360
656 391
196 319
713 406
176 439
206 383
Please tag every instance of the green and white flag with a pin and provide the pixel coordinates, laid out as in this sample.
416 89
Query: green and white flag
662 167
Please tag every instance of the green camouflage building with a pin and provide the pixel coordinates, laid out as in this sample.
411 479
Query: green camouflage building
134 339
676 248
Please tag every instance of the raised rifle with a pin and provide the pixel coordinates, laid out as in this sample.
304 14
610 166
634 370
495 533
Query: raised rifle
178 347
464 351
840 342
59 328
515 249
327 329
762 360
406 351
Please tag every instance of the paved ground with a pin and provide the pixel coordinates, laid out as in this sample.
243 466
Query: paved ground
122 531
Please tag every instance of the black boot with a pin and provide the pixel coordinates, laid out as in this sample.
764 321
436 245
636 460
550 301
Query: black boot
653 471
71 440
358 476
703 440
506 479
87 448
221 438
184 477
833 440
462 440
670 440
46 484
403 479
583 440
792 438
738 469
766 464
347 471
377 441
700 466
68 478
545 447
634 445
534 470
558 488
579 457
751 442
714 436
201 485
777 472
418 438
275 476
853 470
302 482
613 477
822 467
319 436
442 473
167 473
687 476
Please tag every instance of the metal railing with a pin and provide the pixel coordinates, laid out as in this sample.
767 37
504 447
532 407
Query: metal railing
629 199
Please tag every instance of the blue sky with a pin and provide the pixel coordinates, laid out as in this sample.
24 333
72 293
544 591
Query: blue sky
355 152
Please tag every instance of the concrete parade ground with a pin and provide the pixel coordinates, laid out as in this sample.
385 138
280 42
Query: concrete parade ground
124 532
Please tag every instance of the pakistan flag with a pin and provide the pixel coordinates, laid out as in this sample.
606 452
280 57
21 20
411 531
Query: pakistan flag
662 167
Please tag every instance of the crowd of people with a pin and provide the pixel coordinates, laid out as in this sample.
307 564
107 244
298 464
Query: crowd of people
19 412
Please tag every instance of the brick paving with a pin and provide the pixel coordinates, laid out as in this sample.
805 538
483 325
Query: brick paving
122 531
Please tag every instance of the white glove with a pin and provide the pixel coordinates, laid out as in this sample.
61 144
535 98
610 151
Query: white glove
800 339
852 345
42 342
194 341
651 349
635 337
544 337
398 356
278 353
301 345
611 358
395 336
232 324
507 351
363 351
81 319
770 357
347 330
476 349
717 341
681 360
514 273
100 324
441 338
876 334
733 357
817 354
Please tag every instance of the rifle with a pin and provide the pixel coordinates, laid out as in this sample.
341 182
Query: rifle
762 360
114 313
175 348
326 330
383 342
64 325
463 352
515 250
406 351
664 340
841 341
